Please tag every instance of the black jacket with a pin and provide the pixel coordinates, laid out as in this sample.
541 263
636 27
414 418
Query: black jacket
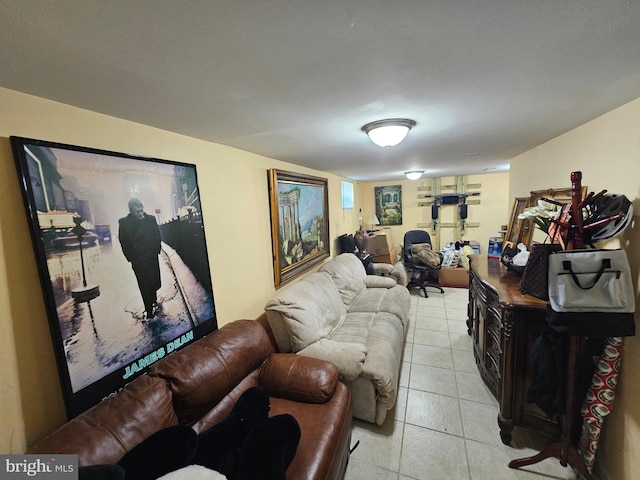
139 238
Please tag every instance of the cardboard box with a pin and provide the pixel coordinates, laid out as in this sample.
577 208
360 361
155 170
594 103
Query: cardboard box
457 277
380 243
391 257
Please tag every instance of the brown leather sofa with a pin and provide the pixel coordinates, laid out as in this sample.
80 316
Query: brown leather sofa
198 386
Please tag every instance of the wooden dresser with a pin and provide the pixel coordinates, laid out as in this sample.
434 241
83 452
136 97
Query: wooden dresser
504 325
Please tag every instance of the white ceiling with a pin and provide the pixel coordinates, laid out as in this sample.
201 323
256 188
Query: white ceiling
295 80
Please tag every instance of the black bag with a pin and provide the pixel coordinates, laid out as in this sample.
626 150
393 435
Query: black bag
549 365
592 324
506 259
535 281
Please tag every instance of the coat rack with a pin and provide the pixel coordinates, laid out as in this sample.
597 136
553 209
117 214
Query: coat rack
565 450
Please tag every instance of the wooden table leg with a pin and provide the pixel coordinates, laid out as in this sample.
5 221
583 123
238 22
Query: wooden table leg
506 429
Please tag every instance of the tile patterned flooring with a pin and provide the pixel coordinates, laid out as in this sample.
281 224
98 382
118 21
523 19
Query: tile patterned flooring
444 425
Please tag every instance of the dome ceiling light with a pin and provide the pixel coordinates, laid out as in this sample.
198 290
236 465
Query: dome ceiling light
414 174
390 132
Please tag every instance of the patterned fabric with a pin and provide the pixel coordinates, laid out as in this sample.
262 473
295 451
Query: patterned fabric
423 254
599 400
451 258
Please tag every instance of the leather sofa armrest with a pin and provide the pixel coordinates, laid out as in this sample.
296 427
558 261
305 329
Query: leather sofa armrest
302 379
113 427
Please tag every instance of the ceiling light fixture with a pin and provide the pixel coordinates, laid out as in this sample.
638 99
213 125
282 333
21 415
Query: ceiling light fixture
414 174
390 132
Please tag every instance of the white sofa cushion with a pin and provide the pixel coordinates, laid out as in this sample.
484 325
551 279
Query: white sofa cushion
348 357
310 309
390 300
348 274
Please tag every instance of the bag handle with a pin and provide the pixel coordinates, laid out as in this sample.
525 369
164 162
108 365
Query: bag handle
606 263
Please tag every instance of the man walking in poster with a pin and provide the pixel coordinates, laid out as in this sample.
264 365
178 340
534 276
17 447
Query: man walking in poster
140 240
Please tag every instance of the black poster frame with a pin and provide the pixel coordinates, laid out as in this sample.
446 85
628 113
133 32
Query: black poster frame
104 334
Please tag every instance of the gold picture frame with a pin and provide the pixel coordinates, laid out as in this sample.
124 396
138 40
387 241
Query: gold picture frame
514 226
299 206
562 195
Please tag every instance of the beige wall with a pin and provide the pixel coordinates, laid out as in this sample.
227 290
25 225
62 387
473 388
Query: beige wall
234 198
491 213
607 152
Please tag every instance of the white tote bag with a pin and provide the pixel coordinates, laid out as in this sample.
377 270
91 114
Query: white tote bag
590 281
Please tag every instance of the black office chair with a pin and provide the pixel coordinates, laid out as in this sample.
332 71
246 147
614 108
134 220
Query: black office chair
420 272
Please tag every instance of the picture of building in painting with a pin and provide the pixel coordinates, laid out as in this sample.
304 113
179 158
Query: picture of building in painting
301 221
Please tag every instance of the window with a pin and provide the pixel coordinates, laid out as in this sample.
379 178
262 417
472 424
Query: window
347 195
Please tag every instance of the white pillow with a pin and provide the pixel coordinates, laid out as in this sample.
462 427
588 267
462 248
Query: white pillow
193 472
348 274
310 309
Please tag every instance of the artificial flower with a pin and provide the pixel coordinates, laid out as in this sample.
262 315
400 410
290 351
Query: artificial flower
541 214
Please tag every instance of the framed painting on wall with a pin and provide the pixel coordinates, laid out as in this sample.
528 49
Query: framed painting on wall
122 257
389 204
299 206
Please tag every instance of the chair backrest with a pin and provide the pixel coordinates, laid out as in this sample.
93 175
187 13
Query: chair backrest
413 237
347 243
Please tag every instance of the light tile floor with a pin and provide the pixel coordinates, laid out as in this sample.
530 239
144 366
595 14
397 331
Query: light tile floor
444 425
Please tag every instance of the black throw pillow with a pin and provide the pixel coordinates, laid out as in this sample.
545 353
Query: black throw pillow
163 452
101 472
219 446
269 449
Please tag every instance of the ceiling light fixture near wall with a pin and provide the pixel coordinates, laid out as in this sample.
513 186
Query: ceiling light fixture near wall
414 174
390 132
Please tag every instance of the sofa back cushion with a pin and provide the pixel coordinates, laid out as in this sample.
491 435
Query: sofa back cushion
107 431
348 274
203 373
305 312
